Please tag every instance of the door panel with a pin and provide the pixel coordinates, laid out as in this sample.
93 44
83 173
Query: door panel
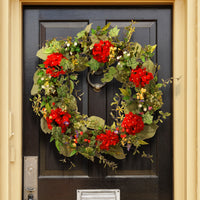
137 178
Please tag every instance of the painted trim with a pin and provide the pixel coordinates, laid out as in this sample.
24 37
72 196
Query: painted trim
97 2
179 100
4 100
191 103
186 99
198 100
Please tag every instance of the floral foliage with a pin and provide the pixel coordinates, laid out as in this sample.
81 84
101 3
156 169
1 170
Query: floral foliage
140 77
59 118
107 139
52 64
132 123
135 108
101 51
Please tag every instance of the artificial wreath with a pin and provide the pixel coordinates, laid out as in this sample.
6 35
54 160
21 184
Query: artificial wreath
136 107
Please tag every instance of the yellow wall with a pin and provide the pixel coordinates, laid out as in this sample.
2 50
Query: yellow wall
186 99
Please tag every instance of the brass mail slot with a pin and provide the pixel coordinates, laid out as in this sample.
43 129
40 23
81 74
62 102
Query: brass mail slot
100 194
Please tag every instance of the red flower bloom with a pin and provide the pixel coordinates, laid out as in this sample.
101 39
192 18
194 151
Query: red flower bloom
101 51
123 135
107 139
53 59
140 77
52 64
132 123
59 118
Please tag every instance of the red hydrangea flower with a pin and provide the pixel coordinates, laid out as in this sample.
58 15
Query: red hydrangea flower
101 51
52 64
107 139
58 118
132 123
140 77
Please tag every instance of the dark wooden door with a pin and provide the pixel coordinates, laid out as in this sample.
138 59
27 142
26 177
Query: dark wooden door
137 178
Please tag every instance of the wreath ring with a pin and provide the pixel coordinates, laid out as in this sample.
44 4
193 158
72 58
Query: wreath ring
136 107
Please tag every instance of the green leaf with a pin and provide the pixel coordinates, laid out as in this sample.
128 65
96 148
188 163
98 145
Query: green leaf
149 65
71 86
80 126
141 142
41 72
138 47
148 132
133 107
114 32
42 65
48 107
81 34
36 77
41 54
72 153
126 98
65 149
107 78
109 75
143 58
43 125
112 70
94 65
62 50
113 126
94 40
159 85
35 89
56 130
153 48
58 144
147 118
125 92
64 63
164 115
62 90
90 151
132 63
93 31
48 50
103 37
80 68
88 28
71 103
73 77
87 156
123 74
95 122
117 152
106 27
52 139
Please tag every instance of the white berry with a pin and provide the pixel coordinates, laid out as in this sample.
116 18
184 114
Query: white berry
144 109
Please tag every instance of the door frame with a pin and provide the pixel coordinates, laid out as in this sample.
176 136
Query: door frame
186 92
